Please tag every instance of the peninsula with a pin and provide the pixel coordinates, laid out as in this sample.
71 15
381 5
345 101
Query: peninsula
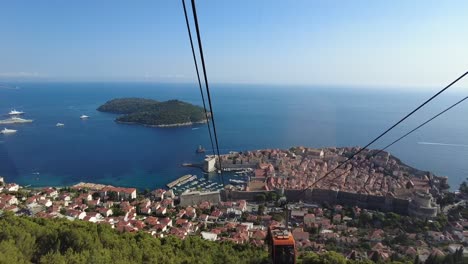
150 112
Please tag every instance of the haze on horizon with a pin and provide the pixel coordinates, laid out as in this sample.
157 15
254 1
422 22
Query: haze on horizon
358 43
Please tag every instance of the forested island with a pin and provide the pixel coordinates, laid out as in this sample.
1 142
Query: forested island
154 113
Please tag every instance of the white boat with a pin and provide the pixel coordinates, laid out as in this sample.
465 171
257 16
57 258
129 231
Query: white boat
15 120
8 131
14 112
59 125
84 117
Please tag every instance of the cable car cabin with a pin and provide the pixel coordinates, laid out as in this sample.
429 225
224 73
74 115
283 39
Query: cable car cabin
282 246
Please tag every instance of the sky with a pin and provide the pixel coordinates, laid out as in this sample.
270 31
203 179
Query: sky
418 43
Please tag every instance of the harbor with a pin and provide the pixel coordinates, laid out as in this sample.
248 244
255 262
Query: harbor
211 182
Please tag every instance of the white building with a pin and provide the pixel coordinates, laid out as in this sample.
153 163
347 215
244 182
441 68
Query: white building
209 236
210 163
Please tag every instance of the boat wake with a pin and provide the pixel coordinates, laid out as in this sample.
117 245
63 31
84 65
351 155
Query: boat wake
443 144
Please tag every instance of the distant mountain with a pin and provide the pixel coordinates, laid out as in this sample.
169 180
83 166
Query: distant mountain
154 113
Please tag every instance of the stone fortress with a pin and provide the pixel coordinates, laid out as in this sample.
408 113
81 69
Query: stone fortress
378 182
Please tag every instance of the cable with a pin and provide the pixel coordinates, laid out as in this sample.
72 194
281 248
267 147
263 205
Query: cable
198 75
397 140
421 125
194 9
388 130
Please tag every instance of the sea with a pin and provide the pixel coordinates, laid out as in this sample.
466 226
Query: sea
248 117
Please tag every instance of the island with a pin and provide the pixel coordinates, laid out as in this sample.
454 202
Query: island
153 113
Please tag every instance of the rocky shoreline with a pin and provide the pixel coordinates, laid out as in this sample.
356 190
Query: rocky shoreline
162 126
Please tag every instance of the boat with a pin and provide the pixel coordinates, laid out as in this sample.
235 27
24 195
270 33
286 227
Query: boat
15 120
8 131
59 125
200 149
14 112
84 117
236 181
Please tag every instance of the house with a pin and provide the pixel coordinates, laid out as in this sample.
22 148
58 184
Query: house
242 205
167 202
31 201
300 235
12 187
181 221
106 212
45 202
259 235
191 213
298 214
377 235
205 205
216 213
309 219
50 192
234 211
161 211
94 203
169 194
203 218
127 193
144 203
337 219
249 225
209 236
9 199
93 217
166 221
75 214
122 193
158 194
146 210
155 206
65 197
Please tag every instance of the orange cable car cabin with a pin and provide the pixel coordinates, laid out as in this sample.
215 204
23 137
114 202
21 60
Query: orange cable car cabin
282 246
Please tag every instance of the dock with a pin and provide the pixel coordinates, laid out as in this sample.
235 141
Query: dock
195 165
180 180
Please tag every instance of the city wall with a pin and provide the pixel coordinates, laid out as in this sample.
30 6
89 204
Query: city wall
192 198
372 202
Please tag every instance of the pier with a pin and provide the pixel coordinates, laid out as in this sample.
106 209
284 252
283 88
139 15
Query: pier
180 180
194 165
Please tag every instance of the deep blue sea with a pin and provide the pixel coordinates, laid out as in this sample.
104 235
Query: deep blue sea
247 117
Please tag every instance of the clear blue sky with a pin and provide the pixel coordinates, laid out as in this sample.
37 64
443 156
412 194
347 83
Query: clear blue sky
383 43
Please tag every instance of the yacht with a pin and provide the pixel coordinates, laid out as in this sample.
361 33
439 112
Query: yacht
59 125
8 131
200 149
14 112
84 117
15 120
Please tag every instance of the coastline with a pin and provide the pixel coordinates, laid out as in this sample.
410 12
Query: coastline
162 126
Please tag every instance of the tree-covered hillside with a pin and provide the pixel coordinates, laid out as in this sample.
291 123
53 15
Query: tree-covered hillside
154 113
37 240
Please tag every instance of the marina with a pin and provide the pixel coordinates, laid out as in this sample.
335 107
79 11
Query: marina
208 184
